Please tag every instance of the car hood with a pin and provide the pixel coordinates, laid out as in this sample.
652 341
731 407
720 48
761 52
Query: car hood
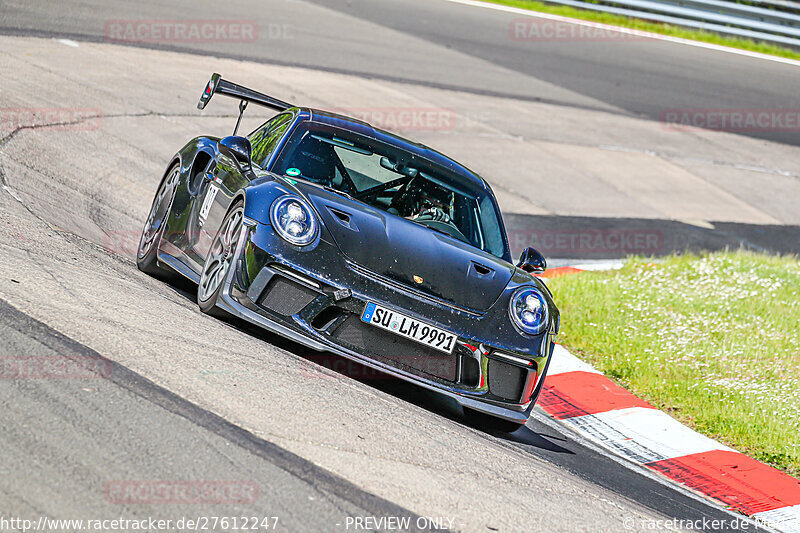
411 254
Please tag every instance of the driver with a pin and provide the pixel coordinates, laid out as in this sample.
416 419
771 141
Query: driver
429 208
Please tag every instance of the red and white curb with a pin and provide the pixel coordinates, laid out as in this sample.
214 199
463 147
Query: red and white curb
582 267
581 397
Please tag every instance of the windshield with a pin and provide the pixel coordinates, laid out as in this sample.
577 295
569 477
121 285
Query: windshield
395 181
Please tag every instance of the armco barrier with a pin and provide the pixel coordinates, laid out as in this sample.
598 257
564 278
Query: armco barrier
777 26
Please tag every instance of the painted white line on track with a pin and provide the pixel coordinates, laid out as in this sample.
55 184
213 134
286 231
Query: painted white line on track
563 361
785 519
69 42
628 31
643 434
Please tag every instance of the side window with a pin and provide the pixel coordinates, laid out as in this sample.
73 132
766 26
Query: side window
265 138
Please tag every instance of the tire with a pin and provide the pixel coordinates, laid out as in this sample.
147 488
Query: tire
219 260
147 252
489 422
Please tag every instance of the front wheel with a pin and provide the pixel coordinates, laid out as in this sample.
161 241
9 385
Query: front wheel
489 422
147 252
219 260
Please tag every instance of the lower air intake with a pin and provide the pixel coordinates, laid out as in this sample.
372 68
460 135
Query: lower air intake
286 297
506 381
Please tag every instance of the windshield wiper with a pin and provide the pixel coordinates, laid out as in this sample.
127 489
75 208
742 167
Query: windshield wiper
437 230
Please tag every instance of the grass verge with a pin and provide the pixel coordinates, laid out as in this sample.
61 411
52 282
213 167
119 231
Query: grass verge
654 27
712 339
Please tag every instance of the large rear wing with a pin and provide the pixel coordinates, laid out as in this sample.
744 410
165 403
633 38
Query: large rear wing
216 85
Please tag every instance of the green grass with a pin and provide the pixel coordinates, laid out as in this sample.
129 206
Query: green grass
712 339
654 27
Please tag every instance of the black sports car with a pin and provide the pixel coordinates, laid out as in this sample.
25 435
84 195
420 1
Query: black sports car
352 240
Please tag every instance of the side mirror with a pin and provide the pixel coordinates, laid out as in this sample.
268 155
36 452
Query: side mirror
532 261
238 149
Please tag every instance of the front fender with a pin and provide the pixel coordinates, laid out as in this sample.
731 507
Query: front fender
259 195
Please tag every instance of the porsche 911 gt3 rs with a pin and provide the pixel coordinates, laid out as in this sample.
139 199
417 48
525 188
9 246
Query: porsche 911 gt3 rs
352 240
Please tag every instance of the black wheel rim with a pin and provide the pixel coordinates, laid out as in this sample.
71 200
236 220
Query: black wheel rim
220 256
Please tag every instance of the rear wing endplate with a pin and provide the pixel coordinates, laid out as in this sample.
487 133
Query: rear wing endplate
216 85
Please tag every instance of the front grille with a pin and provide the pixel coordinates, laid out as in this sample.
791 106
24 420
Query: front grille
286 297
401 352
506 381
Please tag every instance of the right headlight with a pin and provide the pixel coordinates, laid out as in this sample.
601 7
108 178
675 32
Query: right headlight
293 220
528 310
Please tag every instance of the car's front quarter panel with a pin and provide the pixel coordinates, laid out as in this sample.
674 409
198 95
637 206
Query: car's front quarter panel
262 192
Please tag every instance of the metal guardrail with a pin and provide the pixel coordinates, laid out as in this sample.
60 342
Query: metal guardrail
781 4
781 27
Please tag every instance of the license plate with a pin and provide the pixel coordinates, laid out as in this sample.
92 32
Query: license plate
400 324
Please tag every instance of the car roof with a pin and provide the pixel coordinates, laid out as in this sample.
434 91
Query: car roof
367 130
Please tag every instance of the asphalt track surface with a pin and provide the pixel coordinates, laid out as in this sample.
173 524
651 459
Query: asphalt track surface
83 448
178 406
695 190
643 77
80 442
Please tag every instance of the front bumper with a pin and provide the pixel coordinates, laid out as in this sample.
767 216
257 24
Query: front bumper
315 297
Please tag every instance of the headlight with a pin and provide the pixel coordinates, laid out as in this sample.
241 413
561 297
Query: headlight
528 310
294 220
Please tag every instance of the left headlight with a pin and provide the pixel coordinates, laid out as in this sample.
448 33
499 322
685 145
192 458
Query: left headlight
528 310
294 220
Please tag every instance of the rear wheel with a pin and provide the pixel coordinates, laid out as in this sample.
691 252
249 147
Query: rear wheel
147 252
219 260
489 422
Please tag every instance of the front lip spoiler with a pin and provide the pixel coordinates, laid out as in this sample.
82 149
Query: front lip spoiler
517 413
228 303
